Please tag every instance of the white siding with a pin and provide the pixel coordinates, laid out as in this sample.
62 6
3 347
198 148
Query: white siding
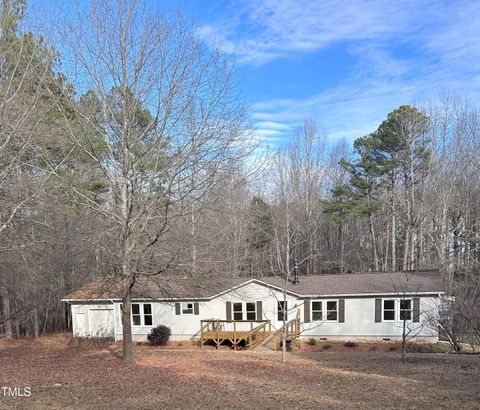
360 323
92 319
359 316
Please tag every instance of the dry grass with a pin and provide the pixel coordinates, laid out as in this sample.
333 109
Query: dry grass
63 377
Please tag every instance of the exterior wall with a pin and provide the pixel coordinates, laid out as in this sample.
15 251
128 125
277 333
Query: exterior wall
82 319
360 323
188 326
359 317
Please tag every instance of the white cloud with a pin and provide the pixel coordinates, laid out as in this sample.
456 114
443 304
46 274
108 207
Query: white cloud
273 125
259 32
404 52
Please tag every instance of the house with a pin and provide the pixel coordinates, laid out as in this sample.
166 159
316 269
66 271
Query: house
336 306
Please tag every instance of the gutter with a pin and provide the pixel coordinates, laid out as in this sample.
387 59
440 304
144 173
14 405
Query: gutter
300 296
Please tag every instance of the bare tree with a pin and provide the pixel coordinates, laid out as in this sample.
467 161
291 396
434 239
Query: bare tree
414 314
164 107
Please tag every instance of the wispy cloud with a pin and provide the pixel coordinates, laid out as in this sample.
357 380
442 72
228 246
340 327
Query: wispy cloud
402 52
261 31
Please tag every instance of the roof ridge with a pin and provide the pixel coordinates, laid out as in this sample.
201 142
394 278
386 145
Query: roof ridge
360 273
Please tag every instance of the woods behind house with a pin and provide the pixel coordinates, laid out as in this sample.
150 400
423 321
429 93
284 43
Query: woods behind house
142 161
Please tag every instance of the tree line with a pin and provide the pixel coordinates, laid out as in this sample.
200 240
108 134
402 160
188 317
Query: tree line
142 161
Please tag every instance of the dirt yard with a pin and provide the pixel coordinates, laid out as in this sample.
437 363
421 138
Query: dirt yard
62 377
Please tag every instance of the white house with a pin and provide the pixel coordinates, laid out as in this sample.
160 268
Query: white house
339 306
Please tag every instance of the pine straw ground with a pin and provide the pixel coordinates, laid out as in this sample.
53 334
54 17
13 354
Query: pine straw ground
62 377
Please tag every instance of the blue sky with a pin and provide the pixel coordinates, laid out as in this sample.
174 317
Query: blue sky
346 64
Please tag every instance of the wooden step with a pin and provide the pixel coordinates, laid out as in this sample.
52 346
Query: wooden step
266 345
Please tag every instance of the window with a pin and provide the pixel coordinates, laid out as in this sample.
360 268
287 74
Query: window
332 310
317 310
389 310
406 309
244 311
282 309
238 311
141 314
251 311
136 317
187 308
147 314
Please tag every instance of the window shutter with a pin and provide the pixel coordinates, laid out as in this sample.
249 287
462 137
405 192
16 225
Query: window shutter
196 308
341 310
306 310
259 310
378 310
177 308
416 309
229 310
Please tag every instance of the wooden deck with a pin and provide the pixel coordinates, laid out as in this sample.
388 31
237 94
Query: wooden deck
249 333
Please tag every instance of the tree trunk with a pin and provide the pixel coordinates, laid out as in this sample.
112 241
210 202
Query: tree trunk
342 249
386 254
374 242
404 340
18 334
394 235
406 248
7 325
126 320
36 324
284 317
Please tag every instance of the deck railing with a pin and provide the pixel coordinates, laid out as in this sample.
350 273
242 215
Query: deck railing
253 332
292 332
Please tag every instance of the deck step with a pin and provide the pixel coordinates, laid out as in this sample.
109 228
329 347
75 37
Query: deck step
266 345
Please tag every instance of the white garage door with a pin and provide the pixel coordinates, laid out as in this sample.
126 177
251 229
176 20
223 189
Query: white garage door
101 322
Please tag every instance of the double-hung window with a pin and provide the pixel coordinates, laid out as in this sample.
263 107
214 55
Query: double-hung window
282 311
136 316
147 314
406 309
317 310
388 310
251 310
332 310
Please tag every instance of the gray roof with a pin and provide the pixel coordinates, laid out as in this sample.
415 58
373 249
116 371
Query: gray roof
365 283
424 281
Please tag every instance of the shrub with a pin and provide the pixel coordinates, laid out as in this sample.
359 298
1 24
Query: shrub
326 346
350 344
159 335
312 341
393 348
373 348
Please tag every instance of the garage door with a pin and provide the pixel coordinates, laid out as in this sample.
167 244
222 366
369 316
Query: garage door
101 322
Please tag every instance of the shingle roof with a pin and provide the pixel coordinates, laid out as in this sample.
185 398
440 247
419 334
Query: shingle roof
156 288
365 283
428 281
